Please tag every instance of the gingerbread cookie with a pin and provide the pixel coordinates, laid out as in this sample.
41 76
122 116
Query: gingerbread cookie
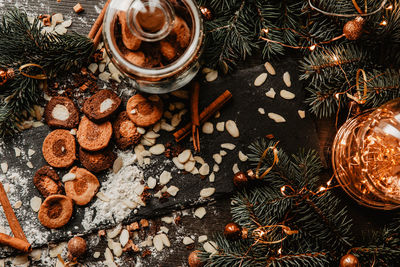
59 149
83 188
92 136
144 111
101 106
56 211
97 161
125 131
61 112
47 181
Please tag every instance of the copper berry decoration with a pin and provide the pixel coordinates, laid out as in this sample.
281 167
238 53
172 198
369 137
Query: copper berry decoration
6 75
76 247
233 231
194 260
353 29
240 179
349 260
207 13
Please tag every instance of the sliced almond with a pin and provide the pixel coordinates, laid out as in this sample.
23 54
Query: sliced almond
151 135
103 197
96 255
215 168
184 156
189 166
287 95
302 113
124 237
210 247
260 79
114 232
232 128
271 93
176 120
167 127
187 241
167 220
261 111
276 117
204 169
165 177
179 165
207 192
212 76
93 67
17 152
157 149
141 130
199 159
195 171
208 128
31 152
17 204
117 249
220 126
235 168
68 177
4 167
173 190
164 229
200 212
211 178
165 240
156 127
217 115
118 163
202 238
270 68
158 243
151 182
286 79
217 158
223 153
242 156
29 164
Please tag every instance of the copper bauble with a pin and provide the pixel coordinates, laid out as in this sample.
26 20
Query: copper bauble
6 75
349 260
76 247
240 179
194 260
353 29
207 13
233 231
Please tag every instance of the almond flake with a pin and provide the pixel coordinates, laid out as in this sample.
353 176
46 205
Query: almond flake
157 149
103 197
151 135
184 156
189 166
4 167
17 152
287 95
235 168
96 255
232 128
271 93
212 76
261 111
179 165
165 240
302 113
207 192
141 130
261 79
173 190
151 182
202 238
276 117
204 169
223 153
228 146
117 249
220 126
187 241
164 229
36 202
270 68
68 177
200 212
211 178
167 127
118 163
176 120
208 128
210 247
124 237
114 232
18 204
31 152
242 156
199 160
217 115
29 164
167 220
217 158
158 243
215 168
286 79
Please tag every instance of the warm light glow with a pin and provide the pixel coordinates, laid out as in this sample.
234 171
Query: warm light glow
321 189
336 96
265 31
312 48
283 188
335 58
280 251
390 7
383 23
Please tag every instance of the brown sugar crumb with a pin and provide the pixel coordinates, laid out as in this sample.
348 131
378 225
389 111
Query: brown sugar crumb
78 8
101 233
146 253
144 223
177 220
133 226
164 197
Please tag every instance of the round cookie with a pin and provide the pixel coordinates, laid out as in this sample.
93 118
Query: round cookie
59 149
144 111
56 211
97 161
92 136
61 112
125 131
101 106
47 181
83 188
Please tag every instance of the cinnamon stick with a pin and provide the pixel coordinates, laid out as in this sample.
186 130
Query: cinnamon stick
97 38
204 115
194 108
10 215
16 243
99 22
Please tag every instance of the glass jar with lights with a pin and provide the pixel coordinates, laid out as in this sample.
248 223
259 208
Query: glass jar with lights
366 157
157 43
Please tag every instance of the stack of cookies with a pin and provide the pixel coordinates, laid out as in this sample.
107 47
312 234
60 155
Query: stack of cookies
100 122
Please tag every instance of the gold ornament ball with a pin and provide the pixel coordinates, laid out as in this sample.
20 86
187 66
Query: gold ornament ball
233 231
76 247
349 260
240 179
194 260
353 29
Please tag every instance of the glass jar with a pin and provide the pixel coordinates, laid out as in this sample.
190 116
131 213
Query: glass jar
157 43
366 157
